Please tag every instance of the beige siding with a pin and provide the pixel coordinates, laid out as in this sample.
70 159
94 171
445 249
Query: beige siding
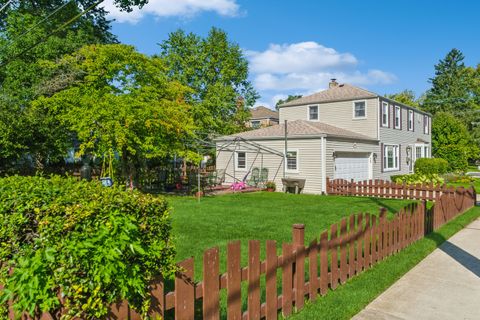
403 138
309 166
344 145
339 114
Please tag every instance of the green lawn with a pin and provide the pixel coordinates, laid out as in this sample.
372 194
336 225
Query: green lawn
217 220
347 300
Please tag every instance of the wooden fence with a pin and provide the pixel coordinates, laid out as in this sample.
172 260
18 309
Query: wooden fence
348 248
387 189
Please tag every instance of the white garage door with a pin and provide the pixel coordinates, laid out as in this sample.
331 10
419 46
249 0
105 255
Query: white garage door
353 165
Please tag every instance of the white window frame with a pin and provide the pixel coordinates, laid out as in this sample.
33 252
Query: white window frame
411 120
399 109
297 162
426 124
426 151
396 164
236 160
385 112
318 112
353 109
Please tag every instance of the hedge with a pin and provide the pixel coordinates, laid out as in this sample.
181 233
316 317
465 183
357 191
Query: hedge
417 178
429 166
95 245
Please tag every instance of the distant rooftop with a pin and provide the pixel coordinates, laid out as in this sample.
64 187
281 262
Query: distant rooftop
263 113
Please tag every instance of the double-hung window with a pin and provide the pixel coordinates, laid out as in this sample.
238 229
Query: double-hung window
410 120
255 124
313 113
398 117
384 114
390 157
359 110
241 160
292 160
426 124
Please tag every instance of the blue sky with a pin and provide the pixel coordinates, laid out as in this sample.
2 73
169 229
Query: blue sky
294 47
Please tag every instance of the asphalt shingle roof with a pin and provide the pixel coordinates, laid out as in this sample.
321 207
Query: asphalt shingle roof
262 113
337 93
298 128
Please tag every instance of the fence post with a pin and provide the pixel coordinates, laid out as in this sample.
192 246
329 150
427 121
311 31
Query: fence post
298 235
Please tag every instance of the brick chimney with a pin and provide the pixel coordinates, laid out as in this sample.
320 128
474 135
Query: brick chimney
333 83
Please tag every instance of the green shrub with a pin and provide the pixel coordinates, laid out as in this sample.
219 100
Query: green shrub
456 156
418 178
429 166
97 245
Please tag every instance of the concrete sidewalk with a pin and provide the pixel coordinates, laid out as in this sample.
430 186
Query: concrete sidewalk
445 285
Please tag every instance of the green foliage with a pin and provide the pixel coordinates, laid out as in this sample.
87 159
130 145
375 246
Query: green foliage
217 71
406 97
96 245
431 166
452 141
288 99
24 48
418 178
122 102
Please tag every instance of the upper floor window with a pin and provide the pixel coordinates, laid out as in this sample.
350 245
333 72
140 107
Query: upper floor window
410 120
384 114
313 113
398 117
426 124
255 124
292 160
359 110
241 160
390 157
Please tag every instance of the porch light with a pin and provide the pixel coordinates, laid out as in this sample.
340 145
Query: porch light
374 155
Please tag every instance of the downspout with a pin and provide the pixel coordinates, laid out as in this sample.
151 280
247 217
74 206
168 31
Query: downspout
285 152
323 157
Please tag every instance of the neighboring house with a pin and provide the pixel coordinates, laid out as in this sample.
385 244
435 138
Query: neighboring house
262 117
342 132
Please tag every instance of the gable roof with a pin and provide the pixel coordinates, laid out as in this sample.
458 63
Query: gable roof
263 113
297 128
336 93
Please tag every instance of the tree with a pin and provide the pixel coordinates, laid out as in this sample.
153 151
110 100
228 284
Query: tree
406 97
451 87
26 44
288 99
451 141
123 103
217 72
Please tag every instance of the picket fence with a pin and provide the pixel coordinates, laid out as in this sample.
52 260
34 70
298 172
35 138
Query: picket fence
348 248
387 189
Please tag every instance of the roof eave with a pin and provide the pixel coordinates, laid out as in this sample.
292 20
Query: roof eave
327 101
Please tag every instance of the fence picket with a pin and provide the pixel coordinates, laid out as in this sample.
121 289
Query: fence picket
211 284
333 246
185 291
323 263
253 280
313 269
234 274
271 281
351 246
287 280
343 251
359 236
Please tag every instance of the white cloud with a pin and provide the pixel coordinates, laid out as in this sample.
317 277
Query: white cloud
305 68
298 57
169 8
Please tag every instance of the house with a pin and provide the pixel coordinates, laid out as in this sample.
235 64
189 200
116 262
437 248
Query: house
343 132
262 117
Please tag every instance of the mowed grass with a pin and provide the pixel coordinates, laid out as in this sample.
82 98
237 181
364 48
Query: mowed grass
215 221
349 299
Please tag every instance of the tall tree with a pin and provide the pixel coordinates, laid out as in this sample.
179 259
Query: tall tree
451 87
217 71
122 102
31 33
288 99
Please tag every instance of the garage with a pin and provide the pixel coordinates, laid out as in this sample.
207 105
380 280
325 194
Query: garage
353 165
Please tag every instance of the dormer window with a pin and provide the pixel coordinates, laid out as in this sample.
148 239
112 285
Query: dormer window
359 110
313 113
